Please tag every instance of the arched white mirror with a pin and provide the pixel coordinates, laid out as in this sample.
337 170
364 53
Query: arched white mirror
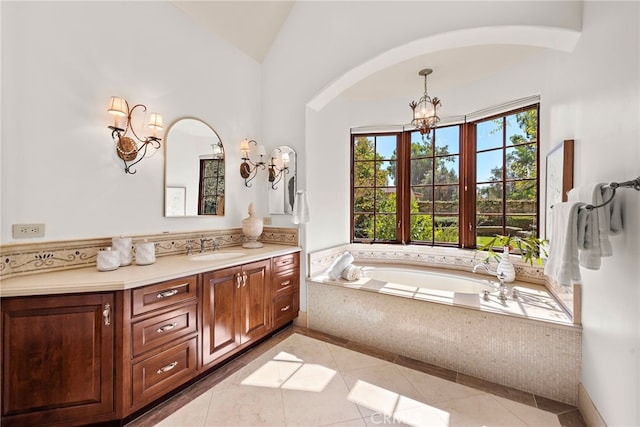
282 180
194 170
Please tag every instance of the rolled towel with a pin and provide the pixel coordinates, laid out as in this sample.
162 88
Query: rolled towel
351 273
338 265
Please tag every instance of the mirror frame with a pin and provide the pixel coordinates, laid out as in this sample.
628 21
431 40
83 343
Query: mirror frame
178 196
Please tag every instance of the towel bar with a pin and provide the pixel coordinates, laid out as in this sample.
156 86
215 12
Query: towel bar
634 183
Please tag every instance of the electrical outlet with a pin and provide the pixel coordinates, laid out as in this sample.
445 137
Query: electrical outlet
22 231
266 220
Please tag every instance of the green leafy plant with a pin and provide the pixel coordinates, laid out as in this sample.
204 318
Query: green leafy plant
529 247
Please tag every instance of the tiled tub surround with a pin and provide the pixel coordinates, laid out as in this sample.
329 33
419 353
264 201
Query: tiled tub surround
39 257
486 340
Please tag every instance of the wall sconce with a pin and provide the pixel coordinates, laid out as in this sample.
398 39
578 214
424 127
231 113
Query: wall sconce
249 169
275 173
127 148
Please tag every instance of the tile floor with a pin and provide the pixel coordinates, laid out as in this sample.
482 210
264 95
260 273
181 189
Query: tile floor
304 378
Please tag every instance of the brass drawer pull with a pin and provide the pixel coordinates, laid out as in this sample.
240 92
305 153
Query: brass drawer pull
285 283
106 314
167 294
167 368
285 308
166 328
238 280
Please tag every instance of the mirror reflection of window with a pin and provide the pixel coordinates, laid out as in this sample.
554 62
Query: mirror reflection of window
194 162
211 191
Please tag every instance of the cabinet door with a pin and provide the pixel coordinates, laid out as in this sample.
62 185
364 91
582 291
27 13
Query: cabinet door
57 359
220 308
255 300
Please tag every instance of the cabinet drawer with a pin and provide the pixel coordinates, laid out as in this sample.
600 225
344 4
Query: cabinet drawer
285 282
163 328
163 372
163 294
285 262
285 309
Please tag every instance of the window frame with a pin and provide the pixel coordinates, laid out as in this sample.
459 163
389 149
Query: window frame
467 186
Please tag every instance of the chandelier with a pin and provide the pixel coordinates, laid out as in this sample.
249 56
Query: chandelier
425 111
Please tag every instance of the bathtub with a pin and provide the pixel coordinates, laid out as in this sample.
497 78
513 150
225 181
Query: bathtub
424 279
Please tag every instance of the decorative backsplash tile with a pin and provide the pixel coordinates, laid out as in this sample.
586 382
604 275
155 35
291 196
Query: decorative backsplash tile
28 258
442 257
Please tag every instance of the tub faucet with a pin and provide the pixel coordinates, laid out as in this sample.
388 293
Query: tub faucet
485 266
502 288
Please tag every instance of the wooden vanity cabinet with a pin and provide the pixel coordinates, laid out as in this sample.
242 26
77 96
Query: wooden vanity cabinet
58 360
161 339
236 304
285 288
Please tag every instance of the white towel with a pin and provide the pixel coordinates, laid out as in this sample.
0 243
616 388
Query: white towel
563 264
596 238
614 209
351 273
338 265
300 208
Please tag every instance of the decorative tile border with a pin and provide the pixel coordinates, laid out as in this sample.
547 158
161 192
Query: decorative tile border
28 258
449 258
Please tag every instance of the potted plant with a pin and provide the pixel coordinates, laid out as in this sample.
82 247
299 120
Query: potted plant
529 247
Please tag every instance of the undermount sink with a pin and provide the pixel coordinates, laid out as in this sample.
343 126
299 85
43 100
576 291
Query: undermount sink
215 256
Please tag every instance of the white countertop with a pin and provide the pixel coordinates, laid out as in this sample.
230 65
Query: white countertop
89 279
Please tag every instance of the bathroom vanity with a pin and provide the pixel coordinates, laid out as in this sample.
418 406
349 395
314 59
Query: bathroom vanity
82 347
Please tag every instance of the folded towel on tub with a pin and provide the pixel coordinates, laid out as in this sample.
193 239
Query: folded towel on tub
351 273
338 265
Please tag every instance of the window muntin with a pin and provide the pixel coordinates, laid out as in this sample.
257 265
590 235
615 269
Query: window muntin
506 175
211 189
374 195
409 188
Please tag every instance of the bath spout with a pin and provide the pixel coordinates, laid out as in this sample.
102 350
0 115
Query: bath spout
485 266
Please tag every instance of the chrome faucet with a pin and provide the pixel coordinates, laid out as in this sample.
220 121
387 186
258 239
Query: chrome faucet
203 243
502 290
484 265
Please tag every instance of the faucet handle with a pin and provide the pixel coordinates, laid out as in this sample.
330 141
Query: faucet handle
501 276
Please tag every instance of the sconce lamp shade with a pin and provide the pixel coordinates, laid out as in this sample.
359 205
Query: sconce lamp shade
285 158
118 106
155 121
261 151
244 147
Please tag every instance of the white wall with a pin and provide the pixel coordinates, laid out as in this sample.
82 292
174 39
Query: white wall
590 95
61 61
593 97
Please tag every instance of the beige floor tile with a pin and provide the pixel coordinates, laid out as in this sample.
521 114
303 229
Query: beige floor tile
358 422
245 405
379 388
531 416
479 410
307 408
435 390
193 414
347 360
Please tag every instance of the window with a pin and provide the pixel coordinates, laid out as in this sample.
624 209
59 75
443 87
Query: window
211 191
410 188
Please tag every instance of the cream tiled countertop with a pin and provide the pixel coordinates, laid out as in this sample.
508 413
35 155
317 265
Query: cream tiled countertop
89 279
